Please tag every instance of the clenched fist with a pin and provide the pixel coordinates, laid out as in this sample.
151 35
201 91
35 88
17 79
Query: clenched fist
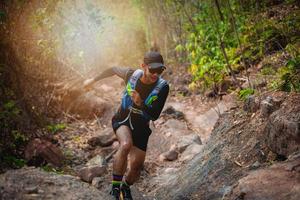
136 98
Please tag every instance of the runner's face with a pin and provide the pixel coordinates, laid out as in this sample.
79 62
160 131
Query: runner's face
153 75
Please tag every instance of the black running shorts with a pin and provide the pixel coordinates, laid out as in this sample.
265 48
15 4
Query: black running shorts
140 132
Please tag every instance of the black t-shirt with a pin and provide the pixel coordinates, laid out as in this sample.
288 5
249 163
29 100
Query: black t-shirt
143 89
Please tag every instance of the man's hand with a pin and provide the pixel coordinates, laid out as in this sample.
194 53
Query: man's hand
87 84
136 98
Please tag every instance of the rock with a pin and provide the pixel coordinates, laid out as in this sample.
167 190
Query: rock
96 161
101 151
87 105
97 181
190 152
184 91
169 155
251 104
186 141
102 140
274 183
174 113
255 165
32 190
294 155
39 150
34 183
170 170
211 94
226 190
88 173
174 124
268 106
282 131
166 176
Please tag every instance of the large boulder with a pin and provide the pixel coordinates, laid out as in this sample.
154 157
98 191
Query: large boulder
171 111
280 181
169 155
186 141
282 131
39 150
102 140
34 183
89 173
89 105
190 152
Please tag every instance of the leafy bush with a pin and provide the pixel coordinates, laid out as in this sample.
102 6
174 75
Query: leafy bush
244 93
13 161
208 64
288 77
268 70
54 128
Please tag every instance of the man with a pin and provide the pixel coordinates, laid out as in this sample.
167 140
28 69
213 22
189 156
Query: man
143 100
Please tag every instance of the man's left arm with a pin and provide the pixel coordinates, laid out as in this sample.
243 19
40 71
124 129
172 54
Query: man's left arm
157 105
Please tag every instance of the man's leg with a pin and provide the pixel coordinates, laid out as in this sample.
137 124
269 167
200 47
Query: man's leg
120 159
136 161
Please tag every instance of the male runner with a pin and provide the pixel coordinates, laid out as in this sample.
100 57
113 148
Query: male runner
143 100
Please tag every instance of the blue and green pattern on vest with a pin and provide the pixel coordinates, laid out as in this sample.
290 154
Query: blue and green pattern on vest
127 103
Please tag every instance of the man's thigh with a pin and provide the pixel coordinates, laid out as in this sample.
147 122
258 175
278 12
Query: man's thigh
124 134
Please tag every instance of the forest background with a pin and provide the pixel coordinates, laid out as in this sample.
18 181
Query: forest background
45 43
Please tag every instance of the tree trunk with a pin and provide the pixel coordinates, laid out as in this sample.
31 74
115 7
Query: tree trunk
219 10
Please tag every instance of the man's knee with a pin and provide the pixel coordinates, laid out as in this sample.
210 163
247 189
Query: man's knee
124 137
126 146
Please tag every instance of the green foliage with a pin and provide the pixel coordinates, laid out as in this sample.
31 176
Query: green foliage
268 70
13 161
10 110
208 64
244 93
19 138
288 77
54 128
2 16
50 168
12 137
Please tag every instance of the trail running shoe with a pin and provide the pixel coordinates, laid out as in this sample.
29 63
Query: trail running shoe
115 192
125 192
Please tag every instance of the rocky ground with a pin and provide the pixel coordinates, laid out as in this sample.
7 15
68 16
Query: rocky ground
199 149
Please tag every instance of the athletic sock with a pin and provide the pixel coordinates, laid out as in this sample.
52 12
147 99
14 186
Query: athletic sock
117 180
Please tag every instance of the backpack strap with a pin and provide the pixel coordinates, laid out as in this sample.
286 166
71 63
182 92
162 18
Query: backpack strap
133 80
154 94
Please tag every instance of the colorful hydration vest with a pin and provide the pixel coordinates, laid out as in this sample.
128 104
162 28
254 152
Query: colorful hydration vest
127 103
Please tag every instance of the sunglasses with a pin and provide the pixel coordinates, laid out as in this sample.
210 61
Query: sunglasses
156 70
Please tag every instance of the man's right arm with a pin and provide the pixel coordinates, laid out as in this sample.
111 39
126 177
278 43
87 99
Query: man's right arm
119 71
